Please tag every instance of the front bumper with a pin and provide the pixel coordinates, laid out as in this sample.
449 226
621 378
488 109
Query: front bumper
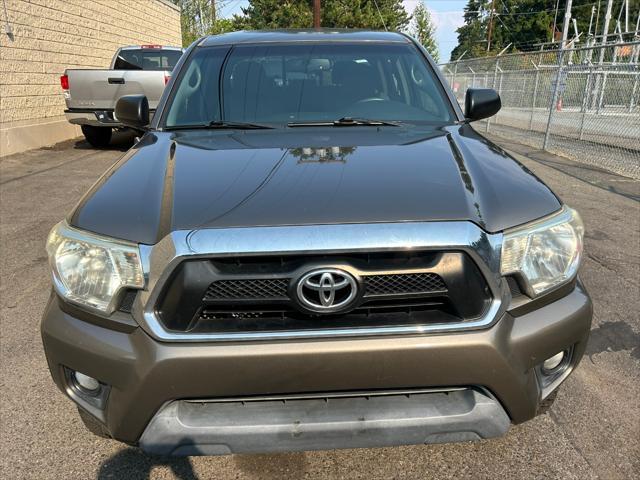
323 423
146 377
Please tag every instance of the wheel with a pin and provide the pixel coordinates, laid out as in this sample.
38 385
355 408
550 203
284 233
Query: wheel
98 137
545 404
93 425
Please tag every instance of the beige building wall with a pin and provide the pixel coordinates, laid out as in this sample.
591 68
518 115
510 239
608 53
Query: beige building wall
51 35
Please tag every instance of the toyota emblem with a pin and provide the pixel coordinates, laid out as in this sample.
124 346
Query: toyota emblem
326 290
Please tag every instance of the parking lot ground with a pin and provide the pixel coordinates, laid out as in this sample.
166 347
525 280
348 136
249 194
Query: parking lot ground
592 431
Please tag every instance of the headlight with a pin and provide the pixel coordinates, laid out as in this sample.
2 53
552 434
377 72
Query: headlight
91 270
546 253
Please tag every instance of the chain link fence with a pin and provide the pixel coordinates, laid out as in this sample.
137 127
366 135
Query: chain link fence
583 103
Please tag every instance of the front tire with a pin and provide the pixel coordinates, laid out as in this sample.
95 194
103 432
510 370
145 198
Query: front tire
98 137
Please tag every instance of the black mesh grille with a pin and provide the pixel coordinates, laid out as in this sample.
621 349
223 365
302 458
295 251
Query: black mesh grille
406 283
264 288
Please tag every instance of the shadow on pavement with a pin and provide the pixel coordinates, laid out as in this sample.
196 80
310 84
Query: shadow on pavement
614 336
120 141
273 466
134 463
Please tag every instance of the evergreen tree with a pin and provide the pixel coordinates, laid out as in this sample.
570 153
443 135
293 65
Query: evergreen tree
423 30
270 14
472 36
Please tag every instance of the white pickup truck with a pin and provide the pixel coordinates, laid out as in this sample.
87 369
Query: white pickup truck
91 94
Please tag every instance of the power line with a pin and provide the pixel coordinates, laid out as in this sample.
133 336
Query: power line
535 12
226 6
378 8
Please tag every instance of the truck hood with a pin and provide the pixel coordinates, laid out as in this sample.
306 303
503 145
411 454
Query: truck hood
189 180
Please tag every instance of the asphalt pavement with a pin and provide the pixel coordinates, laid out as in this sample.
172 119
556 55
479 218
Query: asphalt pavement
592 431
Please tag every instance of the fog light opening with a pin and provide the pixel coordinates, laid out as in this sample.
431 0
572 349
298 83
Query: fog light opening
86 383
554 364
88 392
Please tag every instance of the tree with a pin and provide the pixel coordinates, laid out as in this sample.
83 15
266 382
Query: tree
371 14
272 14
197 20
472 36
423 30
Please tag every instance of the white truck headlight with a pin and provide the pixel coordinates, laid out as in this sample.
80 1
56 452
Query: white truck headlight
90 270
544 254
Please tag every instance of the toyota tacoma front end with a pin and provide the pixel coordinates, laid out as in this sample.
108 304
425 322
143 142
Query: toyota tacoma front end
311 248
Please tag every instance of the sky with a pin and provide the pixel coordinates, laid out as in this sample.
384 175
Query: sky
446 15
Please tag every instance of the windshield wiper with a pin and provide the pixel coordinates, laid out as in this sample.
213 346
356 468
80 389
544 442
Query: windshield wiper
221 124
345 122
238 125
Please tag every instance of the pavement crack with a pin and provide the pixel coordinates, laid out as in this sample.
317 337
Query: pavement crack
31 174
604 265
554 417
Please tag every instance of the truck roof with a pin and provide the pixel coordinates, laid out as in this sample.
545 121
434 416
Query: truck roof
150 46
315 35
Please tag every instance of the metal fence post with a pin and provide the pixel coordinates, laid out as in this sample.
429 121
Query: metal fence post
554 100
587 89
635 56
455 71
448 70
585 100
495 78
604 78
535 94
632 101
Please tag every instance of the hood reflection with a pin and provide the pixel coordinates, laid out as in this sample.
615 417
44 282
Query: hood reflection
322 154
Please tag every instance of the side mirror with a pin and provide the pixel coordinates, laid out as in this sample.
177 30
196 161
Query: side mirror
481 103
133 111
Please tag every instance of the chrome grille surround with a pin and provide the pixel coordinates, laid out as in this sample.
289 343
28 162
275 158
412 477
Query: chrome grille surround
160 260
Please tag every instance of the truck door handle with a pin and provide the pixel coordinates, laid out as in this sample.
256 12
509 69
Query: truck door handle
119 81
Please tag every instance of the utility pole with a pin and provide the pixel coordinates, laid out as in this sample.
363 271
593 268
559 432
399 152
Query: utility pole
607 19
605 30
565 25
316 13
490 32
618 24
555 21
213 12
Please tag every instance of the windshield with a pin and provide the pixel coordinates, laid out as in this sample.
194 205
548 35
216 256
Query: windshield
306 83
147 59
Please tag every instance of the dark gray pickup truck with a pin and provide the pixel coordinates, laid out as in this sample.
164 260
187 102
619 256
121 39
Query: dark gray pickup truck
310 247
